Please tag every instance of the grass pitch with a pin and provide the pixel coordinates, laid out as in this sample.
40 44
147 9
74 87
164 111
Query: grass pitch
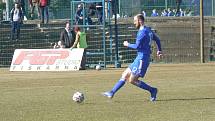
186 93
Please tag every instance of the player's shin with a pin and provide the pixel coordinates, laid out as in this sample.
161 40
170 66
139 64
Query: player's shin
118 85
153 91
143 85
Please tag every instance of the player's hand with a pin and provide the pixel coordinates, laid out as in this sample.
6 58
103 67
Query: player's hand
125 43
159 54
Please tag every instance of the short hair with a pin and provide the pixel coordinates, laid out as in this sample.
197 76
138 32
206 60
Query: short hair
18 4
79 5
77 28
67 22
140 17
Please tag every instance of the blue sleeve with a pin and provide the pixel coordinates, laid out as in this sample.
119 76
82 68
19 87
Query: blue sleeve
157 40
138 39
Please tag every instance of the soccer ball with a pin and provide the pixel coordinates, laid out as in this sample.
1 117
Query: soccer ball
98 67
78 97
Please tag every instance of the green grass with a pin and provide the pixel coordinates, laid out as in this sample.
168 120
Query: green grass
186 93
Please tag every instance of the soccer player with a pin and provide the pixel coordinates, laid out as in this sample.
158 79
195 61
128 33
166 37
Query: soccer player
139 67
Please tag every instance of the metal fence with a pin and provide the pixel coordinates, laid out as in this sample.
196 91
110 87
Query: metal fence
132 7
61 9
180 36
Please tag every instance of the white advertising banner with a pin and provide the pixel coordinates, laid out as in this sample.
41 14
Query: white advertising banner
46 59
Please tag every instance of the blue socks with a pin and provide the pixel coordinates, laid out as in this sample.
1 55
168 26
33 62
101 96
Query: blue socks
118 85
139 84
143 85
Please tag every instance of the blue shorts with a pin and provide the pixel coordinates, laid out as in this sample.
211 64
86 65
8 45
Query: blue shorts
139 66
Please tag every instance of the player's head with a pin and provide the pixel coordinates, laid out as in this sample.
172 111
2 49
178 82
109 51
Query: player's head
139 20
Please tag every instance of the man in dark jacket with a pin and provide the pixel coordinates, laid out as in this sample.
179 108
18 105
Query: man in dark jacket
16 16
99 11
22 6
67 36
115 8
79 15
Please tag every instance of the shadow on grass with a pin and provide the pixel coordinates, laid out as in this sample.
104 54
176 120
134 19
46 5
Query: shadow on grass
188 99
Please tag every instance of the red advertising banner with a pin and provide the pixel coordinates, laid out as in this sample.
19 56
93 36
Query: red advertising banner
46 59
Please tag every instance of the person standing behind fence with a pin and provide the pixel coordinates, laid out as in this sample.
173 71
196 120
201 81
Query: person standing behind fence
178 3
154 13
16 16
67 36
22 6
90 13
33 4
170 12
44 10
139 66
80 42
164 13
144 13
99 11
79 15
115 8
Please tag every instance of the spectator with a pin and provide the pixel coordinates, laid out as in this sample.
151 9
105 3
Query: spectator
80 42
170 13
174 12
44 10
178 3
82 15
181 12
154 13
115 8
16 16
164 13
92 9
67 36
22 6
99 10
189 13
33 4
79 15
91 12
144 13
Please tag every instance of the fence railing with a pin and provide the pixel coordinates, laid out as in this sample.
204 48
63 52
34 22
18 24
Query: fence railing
180 39
61 9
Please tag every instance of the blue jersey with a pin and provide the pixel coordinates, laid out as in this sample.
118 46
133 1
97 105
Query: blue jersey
144 40
143 46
